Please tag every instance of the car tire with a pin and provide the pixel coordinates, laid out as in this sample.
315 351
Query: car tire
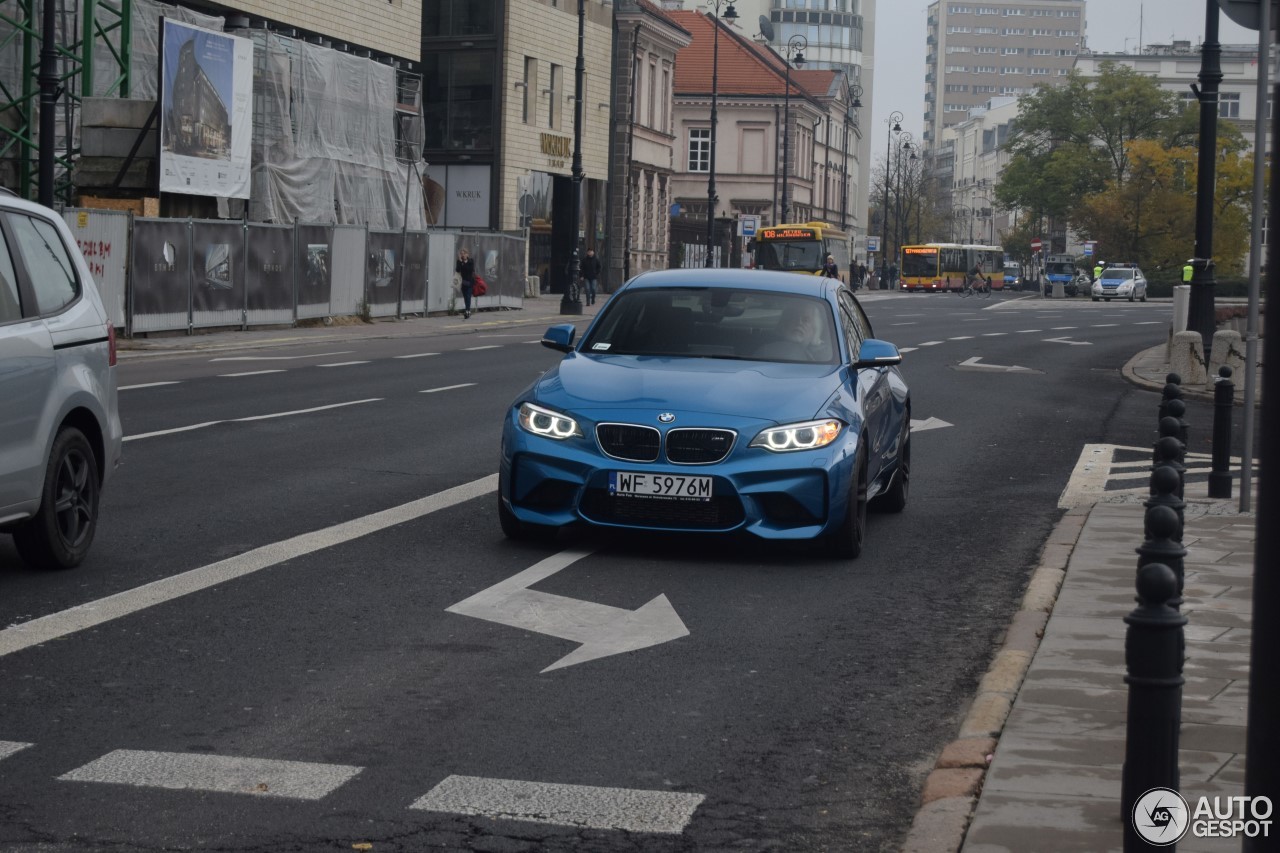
1144 297
1131 297
846 543
1094 298
895 497
514 528
58 536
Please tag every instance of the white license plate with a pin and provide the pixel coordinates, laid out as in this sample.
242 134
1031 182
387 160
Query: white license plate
678 486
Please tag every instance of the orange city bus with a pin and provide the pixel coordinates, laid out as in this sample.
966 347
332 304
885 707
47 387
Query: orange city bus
803 248
943 266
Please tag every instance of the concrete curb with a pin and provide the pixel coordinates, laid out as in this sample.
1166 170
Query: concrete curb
952 787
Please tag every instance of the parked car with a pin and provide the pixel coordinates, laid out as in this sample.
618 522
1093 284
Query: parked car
1120 281
60 436
713 401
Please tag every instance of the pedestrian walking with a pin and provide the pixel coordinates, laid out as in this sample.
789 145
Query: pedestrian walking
589 270
466 270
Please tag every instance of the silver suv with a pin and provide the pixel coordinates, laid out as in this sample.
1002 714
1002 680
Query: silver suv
60 435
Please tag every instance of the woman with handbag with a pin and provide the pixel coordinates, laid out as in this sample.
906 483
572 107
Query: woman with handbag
466 270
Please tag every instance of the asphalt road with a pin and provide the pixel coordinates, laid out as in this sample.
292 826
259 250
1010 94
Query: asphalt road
282 548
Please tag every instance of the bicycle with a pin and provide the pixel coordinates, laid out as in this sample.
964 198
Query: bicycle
980 287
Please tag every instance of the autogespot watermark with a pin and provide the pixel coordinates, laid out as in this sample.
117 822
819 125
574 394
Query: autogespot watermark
1162 816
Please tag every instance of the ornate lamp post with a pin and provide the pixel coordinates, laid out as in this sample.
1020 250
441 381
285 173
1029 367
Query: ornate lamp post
850 120
574 305
730 15
904 144
895 126
796 46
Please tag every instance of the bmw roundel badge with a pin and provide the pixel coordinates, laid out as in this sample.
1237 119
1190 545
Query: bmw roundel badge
666 418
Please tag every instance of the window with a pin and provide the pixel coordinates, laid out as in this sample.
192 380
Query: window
530 89
985 31
49 265
555 108
458 111
1014 31
1039 31
1011 51
986 50
10 302
665 94
653 95
443 18
1228 105
700 149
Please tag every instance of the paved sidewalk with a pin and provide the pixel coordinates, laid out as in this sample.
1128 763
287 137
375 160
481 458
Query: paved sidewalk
536 313
1038 762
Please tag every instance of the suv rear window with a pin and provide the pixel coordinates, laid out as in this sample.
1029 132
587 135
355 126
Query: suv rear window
52 275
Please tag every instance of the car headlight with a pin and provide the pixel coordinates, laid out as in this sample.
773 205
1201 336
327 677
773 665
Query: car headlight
804 436
547 423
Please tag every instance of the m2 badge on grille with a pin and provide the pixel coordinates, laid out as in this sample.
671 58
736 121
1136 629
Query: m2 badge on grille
669 486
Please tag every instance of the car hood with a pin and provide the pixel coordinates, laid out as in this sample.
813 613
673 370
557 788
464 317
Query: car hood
1105 280
765 391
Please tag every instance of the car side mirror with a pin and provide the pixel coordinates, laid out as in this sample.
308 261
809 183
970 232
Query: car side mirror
877 353
560 337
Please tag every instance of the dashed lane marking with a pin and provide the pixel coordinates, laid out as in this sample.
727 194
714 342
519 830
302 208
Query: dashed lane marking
417 355
26 634
663 812
961 338
1027 331
447 388
145 385
342 364
490 346
904 350
190 427
932 343
226 774
248 373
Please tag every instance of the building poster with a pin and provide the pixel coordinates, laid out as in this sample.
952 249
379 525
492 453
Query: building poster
206 111
458 196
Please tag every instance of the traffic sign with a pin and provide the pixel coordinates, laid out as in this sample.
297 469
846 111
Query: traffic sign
1246 13
748 223
1088 249
873 244
1035 244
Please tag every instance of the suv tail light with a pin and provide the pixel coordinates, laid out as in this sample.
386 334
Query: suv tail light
111 344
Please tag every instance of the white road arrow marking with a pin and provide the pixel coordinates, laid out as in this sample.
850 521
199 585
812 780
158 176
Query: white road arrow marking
1068 341
602 630
928 423
976 363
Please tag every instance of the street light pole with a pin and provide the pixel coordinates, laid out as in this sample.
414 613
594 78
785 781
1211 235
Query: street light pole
796 47
574 305
730 14
895 126
904 144
855 94
1200 310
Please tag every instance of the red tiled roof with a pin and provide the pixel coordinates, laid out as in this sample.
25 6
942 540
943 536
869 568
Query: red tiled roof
743 68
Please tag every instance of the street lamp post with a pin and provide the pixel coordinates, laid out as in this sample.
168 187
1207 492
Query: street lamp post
1200 309
730 15
904 144
855 95
796 47
571 301
895 126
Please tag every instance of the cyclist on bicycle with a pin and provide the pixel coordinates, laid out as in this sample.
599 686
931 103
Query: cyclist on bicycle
975 275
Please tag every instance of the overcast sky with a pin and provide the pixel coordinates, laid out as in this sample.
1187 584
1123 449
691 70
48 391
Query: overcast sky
1110 26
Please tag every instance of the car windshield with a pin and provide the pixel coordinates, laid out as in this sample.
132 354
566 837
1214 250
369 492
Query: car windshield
702 322
1117 274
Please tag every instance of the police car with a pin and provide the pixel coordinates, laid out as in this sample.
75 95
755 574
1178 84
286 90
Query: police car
1120 281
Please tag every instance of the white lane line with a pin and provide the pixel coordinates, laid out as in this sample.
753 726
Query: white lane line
342 364
583 806
538 341
61 624
296 780
249 373
1027 331
251 418
9 747
144 385
904 350
962 338
932 343
1149 323
417 355
490 346
277 357
912 323
447 388
1061 328
994 334
1103 325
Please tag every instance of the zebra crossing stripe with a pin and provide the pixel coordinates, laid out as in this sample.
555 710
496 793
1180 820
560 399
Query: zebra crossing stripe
9 747
563 805
227 774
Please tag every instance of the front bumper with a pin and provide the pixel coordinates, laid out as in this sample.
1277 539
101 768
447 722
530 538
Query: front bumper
785 496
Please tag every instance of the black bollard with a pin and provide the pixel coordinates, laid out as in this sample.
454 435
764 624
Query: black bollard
1164 489
1172 391
1153 648
1177 409
1162 546
1169 428
1171 452
1224 395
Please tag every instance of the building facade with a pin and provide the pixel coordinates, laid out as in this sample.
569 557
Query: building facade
978 157
979 51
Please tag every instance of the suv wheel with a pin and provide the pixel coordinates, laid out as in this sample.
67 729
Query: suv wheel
59 535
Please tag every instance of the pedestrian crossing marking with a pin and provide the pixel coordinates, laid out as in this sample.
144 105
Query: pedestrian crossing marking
629 810
227 774
9 747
